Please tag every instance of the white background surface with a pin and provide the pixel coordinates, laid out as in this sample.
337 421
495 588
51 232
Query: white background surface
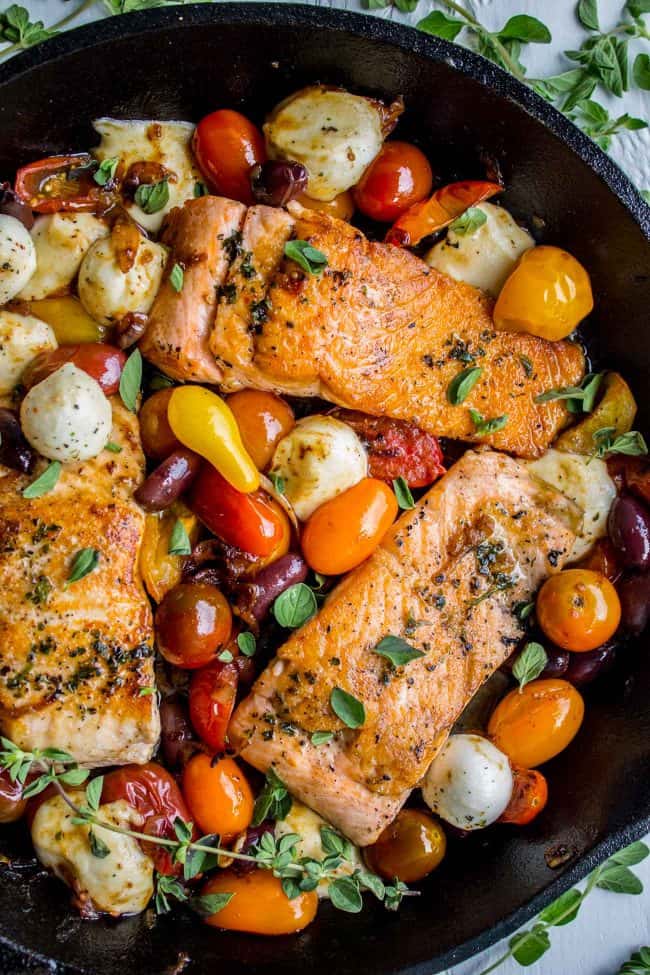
610 926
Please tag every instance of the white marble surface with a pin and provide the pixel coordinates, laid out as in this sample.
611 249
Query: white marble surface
610 926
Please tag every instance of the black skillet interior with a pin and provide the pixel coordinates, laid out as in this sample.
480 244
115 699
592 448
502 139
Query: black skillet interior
183 63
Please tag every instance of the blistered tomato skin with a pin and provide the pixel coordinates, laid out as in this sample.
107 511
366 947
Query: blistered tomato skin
259 905
192 623
346 530
578 609
536 723
409 849
263 419
227 146
548 294
218 795
529 797
212 699
104 363
396 179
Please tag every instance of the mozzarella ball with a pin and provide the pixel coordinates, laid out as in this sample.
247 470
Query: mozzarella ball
66 416
22 337
319 459
119 883
107 293
586 481
308 824
334 134
486 257
17 257
469 783
165 143
60 240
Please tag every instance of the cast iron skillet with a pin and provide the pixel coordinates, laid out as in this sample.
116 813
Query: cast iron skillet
182 63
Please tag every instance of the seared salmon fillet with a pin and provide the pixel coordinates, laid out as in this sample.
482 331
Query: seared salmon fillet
446 579
180 322
73 660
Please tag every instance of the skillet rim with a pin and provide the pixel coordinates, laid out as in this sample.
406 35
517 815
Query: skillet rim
502 85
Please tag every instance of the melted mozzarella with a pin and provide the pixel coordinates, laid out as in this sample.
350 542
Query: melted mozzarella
60 240
119 883
17 257
22 337
107 293
308 824
469 783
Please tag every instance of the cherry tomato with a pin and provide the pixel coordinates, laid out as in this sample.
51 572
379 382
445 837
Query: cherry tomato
578 609
158 440
548 294
410 848
341 207
61 183
227 146
212 699
529 796
536 723
346 530
632 473
252 522
444 206
218 794
12 804
154 793
192 623
259 905
396 179
263 419
103 362
602 559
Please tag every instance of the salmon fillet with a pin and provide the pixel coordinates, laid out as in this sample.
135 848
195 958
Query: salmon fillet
446 578
73 661
180 322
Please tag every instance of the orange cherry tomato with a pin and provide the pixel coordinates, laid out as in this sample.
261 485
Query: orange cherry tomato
212 699
341 207
104 363
227 145
410 848
446 204
529 796
158 439
578 609
259 905
396 179
548 294
346 530
192 624
263 419
536 723
253 522
218 795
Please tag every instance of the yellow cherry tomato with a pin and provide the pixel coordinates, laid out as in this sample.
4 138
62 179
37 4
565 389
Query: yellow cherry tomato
258 904
160 570
69 320
341 207
548 294
203 422
536 723
578 609
409 849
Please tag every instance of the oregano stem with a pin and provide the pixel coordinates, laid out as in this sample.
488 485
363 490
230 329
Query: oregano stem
476 26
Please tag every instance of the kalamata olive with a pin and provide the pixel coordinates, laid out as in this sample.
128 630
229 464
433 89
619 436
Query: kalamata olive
130 329
177 738
11 206
629 530
253 599
227 562
586 666
275 182
634 594
166 484
251 838
557 663
15 452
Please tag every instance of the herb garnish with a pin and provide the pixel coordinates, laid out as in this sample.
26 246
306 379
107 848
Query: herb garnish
638 963
247 643
179 540
484 427
131 380
105 172
403 494
397 650
631 444
85 561
177 278
273 802
346 707
278 482
113 448
152 197
225 657
529 664
44 482
321 737
16 27
462 384
295 606
200 189
470 221
579 399
305 256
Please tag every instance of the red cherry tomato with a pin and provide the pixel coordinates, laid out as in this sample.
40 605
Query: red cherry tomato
154 793
396 179
212 699
227 146
12 804
446 204
61 183
103 362
193 622
529 796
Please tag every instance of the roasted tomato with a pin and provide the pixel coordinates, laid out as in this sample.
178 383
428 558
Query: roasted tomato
263 419
529 796
12 804
578 609
154 793
446 204
396 179
218 794
61 183
158 439
396 448
258 904
192 623
632 473
409 849
103 362
341 207
212 699
227 146
535 723
603 559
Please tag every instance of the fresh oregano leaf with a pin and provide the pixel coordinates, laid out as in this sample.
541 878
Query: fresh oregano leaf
619 879
563 910
179 540
527 947
527 29
529 664
106 170
295 606
630 855
225 657
321 737
641 71
346 707
94 792
114 448
209 904
85 561
131 380
397 650
403 494
588 14
247 643
305 256
462 384
470 221
176 278
345 895
485 427
44 482
440 25
152 197
98 848
200 189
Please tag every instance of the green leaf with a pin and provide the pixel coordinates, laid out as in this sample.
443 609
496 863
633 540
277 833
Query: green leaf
403 494
346 707
74 776
470 221
524 610
247 643
273 802
580 399
176 278
619 879
44 482
98 848
631 444
406 6
36 786
131 380
397 650
345 895
321 737
563 910
277 482
528 946
209 904
462 384
524 28
630 855
146 691
200 189
295 606
638 964
638 7
373 883
85 561
440 25
152 197
529 664
179 540
225 657
305 256
588 14
593 111
485 427
106 171
641 71
183 830
114 448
